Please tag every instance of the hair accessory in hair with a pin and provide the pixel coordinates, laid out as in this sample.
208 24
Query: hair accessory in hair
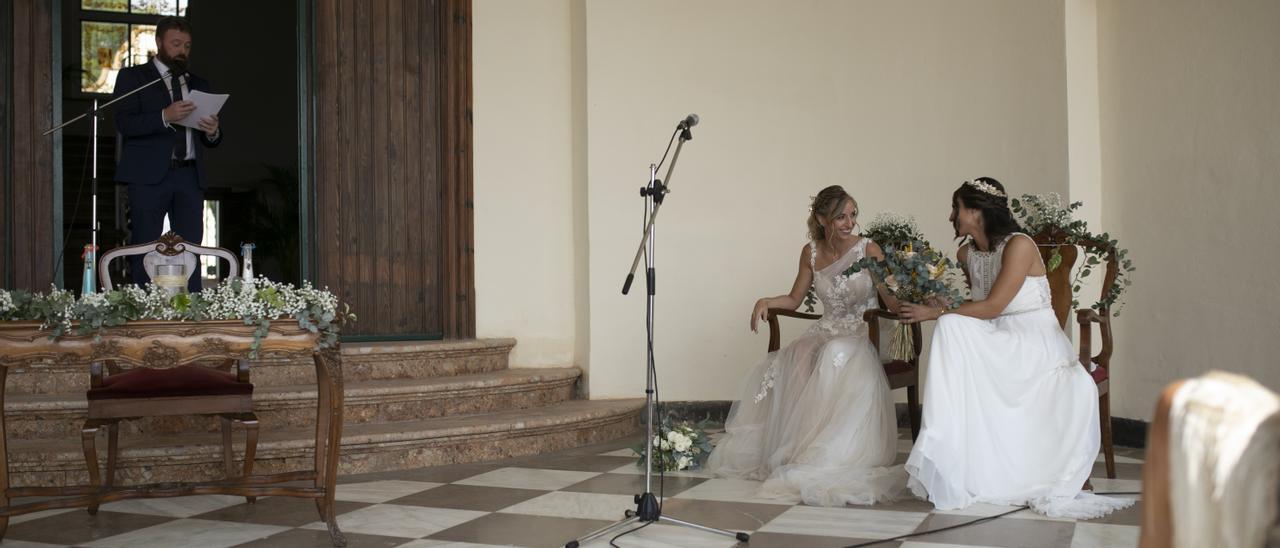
986 187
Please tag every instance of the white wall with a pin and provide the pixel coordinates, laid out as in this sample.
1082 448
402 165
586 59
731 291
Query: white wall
1161 116
524 173
898 102
1191 153
573 100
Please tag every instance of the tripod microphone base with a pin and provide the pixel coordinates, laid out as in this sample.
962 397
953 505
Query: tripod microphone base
648 510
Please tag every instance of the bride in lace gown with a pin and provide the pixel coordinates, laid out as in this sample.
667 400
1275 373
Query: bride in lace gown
815 420
1010 415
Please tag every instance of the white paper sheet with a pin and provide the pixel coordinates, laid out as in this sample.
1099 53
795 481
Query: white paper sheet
206 104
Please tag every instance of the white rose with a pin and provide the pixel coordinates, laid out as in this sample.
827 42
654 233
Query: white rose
683 462
665 446
682 444
656 439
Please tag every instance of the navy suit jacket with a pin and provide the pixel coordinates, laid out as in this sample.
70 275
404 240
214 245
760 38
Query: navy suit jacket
148 144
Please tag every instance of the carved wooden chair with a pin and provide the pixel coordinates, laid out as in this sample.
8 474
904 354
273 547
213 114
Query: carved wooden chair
1060 288
901 373
118 394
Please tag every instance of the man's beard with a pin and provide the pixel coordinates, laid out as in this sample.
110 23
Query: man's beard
179 62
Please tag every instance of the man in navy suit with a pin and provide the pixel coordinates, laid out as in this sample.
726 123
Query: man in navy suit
162 161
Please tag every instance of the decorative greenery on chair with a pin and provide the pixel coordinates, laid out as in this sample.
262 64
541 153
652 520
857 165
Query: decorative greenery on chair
60 312
1040 212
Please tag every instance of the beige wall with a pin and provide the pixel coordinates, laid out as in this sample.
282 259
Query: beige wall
1191 157
896 102
574 100
524 176
1160 116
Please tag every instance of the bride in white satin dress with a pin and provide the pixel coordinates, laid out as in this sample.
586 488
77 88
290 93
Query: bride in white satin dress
1010 415
815 420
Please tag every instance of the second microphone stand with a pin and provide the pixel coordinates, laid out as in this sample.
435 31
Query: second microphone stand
648 507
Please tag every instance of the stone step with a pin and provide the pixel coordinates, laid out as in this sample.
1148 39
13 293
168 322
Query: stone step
45 416
360 362
368 447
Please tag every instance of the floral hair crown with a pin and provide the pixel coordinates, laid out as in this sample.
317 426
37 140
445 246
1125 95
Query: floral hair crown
986 187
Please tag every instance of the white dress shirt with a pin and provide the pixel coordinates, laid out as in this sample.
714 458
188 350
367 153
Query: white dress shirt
164 69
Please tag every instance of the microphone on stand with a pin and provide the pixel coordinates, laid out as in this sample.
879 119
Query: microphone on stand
684 125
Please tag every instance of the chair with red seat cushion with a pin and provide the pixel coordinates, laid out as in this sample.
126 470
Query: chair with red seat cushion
117 394
1060 287
900 373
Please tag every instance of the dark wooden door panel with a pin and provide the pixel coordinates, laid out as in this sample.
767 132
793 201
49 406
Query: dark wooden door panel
388 174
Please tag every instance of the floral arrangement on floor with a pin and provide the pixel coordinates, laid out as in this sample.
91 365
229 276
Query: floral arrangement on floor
914 272
886 229
257 303
1040 212
678 446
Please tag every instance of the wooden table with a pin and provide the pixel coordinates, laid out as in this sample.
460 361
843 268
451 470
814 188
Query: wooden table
161 344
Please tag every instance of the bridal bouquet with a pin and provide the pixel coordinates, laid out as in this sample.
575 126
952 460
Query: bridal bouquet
681 446
886 229
914 272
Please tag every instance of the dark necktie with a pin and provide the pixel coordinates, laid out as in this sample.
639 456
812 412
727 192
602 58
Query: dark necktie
180 141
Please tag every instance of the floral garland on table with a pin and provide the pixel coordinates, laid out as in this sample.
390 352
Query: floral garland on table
257 303
680 446
1039 212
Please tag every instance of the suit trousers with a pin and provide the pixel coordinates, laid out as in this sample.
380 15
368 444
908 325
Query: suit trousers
179 196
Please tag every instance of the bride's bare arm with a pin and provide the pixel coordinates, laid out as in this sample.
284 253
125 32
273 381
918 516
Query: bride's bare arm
790 301
874 251
1019 261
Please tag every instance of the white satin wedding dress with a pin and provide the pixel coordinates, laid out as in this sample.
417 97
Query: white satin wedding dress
1010 415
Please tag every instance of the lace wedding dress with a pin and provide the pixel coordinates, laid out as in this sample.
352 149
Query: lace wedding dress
1010 415
815 420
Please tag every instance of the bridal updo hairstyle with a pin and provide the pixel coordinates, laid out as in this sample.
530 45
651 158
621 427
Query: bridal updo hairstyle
997 219
828 204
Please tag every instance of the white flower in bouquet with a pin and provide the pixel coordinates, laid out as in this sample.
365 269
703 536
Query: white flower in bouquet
675 447
680 442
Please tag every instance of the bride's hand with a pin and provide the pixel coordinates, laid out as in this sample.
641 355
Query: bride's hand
759 314
915 313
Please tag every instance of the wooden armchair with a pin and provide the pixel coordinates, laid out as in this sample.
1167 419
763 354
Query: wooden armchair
117 394
1060 288
901 374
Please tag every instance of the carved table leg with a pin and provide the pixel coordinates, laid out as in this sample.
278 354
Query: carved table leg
329 436
322 429
4 454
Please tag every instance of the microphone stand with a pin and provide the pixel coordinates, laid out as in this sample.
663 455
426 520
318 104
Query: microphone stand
93 185
648 508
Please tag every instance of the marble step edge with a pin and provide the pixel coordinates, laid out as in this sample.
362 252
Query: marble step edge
394 350
52 406
42 456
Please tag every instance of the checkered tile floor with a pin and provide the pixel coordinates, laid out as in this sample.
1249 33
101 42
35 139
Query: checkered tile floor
550 499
